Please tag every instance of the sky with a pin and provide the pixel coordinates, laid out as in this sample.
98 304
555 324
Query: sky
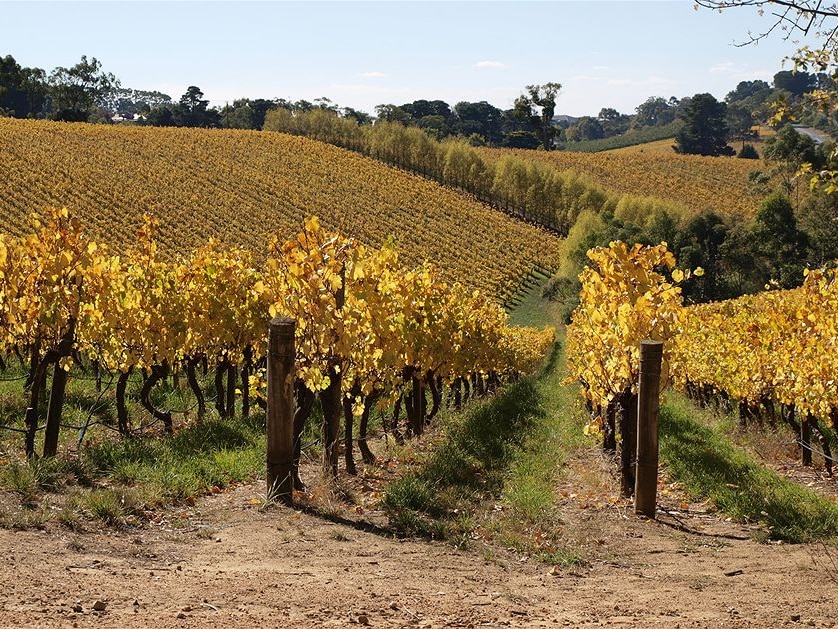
361 54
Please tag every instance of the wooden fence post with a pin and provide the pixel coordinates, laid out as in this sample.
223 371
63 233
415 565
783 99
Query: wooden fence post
648 409
280 412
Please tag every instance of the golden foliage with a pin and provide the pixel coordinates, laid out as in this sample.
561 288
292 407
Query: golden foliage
243 187
625 299
357 310
693 182
779 345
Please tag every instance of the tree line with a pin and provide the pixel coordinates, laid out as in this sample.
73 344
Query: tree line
85 92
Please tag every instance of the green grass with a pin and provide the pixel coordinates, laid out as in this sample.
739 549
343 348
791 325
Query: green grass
536 466
709 466
467 467
197 458
497 464
529 309
113 478
106 504
29 479
214 453
496 468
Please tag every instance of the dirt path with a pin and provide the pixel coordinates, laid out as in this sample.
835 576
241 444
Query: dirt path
234 564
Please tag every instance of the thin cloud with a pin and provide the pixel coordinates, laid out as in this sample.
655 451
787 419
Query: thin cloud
739 72
490 64
725 67
373 75
647 82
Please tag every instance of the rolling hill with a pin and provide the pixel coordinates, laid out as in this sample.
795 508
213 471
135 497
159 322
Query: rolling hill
694 182
244 186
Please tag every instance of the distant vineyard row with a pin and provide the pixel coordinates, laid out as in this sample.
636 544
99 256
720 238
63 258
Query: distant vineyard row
243 186
551 189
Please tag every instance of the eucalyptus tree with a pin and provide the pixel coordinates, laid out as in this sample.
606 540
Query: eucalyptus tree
537 106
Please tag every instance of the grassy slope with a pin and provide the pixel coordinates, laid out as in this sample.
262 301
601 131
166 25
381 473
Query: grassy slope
116 480
699 452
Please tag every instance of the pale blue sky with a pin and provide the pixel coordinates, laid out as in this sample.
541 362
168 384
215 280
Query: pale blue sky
360 54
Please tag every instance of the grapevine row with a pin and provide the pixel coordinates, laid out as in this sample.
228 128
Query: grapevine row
760 354
778 348
376 328
242 187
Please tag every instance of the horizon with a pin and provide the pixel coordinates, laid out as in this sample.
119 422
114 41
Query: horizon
359 54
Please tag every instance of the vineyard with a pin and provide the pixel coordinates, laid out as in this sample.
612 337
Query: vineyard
789 338
243 187
368 329
510 476
657 148
544 536
770 356
695 183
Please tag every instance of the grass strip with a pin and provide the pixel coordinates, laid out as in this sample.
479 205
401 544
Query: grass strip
506 452
116 478
211 454
438 496
710 467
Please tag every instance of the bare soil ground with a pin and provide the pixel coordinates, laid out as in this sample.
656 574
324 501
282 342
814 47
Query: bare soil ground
228 561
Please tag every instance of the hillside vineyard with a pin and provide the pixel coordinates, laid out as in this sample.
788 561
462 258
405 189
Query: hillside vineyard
693 182
242 187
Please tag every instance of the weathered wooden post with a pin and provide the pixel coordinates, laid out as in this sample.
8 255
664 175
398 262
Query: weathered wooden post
280 412
648 409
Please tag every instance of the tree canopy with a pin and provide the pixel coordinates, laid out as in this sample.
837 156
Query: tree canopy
655 111
537 106
74 90
792 19
705 130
